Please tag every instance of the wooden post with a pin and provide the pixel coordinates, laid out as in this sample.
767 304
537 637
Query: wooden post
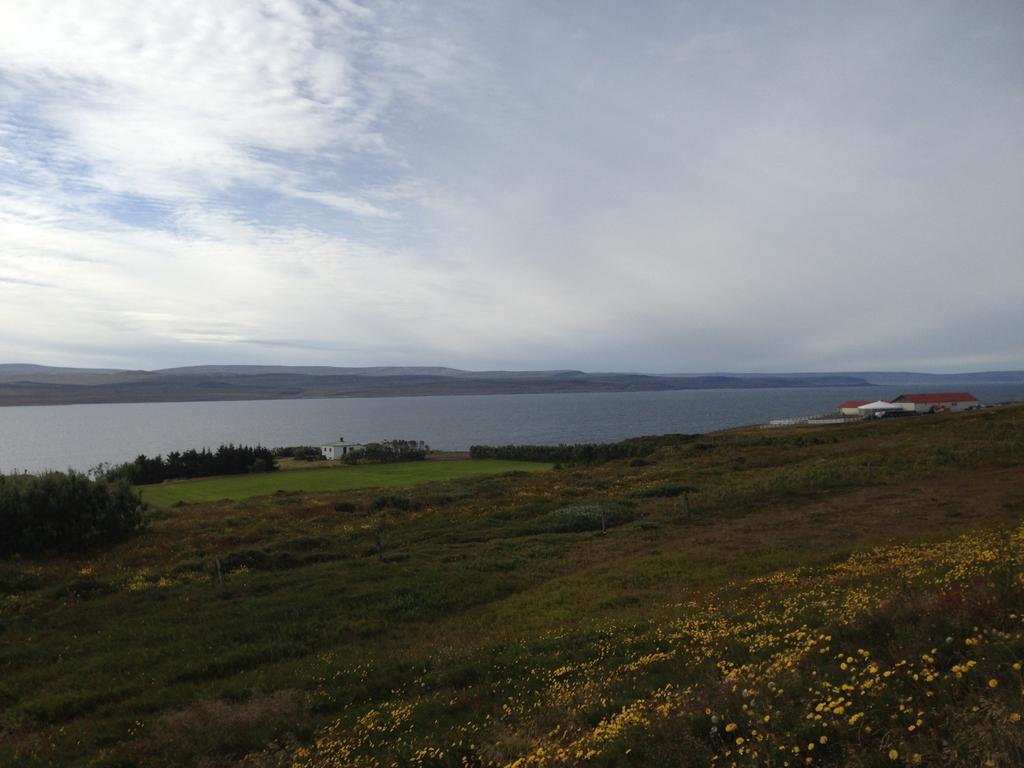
378 536
220 574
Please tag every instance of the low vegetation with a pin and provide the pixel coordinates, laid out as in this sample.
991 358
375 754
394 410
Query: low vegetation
389 452
299 453
843 596
581 453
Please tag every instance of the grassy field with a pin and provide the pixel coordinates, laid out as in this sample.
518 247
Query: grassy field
319 478
842 596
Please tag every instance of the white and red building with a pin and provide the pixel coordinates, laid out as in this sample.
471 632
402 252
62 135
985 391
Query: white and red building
938 402
927 402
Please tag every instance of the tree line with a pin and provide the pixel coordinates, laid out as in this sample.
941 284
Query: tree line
300 452
389 452
580 453
226 460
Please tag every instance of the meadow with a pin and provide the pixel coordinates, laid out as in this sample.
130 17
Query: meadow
319 478
837 596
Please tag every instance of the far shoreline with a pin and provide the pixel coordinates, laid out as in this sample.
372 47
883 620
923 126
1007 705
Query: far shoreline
250 398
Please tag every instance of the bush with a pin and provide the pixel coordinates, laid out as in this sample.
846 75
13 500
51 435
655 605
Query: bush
395 502
582 517
64 511
667 491
299 452
389 452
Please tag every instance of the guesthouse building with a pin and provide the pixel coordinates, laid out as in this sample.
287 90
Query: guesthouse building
938 402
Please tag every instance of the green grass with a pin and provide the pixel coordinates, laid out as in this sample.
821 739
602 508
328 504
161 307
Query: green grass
237 487
488 616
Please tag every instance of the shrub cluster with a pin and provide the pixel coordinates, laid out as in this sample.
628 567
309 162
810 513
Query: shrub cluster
667 491
395 502
389 452
300 452
226 460
580 453
65 512
585 517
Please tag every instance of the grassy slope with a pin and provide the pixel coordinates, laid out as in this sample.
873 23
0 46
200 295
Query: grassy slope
492 633
319 479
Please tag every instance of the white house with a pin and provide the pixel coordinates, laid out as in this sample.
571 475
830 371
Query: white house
339 450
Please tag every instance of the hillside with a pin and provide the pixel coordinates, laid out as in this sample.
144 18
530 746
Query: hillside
835 596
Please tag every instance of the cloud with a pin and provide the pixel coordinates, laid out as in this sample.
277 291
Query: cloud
178 100
665 188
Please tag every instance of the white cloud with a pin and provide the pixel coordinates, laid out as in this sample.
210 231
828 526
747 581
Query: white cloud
487 185
182 100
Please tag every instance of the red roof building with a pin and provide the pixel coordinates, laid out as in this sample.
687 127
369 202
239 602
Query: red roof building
928 402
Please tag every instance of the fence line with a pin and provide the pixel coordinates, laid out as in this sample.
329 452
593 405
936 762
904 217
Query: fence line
820 419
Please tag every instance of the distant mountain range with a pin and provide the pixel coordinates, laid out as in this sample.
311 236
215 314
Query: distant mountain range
22 384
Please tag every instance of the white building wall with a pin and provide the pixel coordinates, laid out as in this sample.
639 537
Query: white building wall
951 405
963 406
338 452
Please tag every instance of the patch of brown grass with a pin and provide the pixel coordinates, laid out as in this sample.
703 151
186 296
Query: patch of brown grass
223 730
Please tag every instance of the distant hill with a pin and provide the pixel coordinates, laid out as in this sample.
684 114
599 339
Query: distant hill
36 385
941 379
26 369
22 384
892 378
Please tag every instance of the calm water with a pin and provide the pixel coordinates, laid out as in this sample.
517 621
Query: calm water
80 436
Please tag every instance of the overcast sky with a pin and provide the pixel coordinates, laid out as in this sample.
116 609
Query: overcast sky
655 186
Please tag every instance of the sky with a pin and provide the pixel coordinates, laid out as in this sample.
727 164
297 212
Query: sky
657 186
